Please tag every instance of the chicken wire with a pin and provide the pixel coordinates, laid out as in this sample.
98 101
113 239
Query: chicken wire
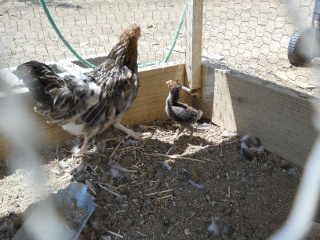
248 36
91 27
244 35
252 36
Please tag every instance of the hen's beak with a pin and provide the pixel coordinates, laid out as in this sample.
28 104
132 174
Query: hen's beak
136 28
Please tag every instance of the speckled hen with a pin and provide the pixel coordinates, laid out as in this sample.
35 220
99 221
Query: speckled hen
86 107
180 113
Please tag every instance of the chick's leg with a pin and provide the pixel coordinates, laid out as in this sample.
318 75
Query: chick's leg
181 128
191 129
191 134
130 133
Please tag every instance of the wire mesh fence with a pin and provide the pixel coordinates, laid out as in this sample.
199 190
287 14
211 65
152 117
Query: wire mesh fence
248 36
91 27
253 37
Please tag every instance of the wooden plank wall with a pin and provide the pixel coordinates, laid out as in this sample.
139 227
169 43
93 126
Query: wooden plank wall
148 106
282 118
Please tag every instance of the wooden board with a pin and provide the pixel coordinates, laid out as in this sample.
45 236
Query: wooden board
148 106
282 118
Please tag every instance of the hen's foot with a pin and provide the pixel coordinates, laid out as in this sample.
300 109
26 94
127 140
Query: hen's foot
138 135
131 133
84 148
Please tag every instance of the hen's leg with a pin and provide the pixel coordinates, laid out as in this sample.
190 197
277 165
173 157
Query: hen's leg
130 133
83 149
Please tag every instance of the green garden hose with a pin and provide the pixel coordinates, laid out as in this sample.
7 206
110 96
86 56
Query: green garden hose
46 10
88 64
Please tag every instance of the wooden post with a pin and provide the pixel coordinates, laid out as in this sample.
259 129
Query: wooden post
194 43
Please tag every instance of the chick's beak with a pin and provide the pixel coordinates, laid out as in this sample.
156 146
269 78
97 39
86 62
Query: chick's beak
168 83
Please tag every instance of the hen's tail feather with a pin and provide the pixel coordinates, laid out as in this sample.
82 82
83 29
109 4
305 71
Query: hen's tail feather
40 80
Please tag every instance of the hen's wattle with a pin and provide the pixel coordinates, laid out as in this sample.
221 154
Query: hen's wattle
180 113
86 107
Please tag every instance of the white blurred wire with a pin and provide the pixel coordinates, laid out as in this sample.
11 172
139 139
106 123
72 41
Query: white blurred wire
306 202
305 205
15 122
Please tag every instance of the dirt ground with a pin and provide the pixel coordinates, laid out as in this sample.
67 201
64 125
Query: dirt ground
162 187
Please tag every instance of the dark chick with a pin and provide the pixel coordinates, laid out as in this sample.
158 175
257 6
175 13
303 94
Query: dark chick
180 113
86 107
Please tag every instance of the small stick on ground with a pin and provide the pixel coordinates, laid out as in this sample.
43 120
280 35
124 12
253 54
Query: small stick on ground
164 191
115 150
145 127
115 234
182 221
164 197
141 234
110 191
174 157
169 150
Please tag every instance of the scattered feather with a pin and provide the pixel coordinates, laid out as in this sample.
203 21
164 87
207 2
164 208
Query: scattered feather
213 227
226 230
200 127
199 186
122 169
102 147
130 142
62 164
187 232
166 165
75 149
115 173
55 170
79 168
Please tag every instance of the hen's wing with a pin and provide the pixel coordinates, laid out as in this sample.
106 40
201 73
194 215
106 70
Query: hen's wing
119 88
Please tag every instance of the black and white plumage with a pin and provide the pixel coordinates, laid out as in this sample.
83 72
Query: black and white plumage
180 113
86 107
249 149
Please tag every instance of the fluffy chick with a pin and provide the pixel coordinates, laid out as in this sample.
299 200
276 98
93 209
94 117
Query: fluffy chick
250 149
182 114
